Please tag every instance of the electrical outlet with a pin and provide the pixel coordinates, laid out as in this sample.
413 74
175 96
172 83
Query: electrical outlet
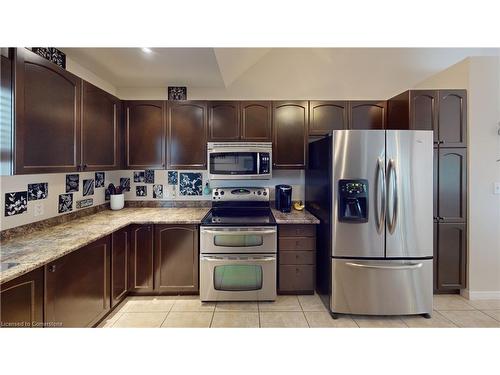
496 189
38 209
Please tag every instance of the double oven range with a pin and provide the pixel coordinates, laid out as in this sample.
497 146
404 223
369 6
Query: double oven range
238 247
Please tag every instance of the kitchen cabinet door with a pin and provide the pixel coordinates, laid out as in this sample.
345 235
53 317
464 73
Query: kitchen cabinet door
290 124
452 184
78 286
177 258
367 115
424 111
6 129
141 269
451 256
145 129
119 265
256 121
223 121
452 118
21 301
325 116
48 116
100 129
187 135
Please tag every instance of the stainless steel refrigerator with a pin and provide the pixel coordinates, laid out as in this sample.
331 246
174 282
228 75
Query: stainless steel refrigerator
373 192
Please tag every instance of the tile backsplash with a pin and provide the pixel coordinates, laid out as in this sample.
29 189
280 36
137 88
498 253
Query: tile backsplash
30 198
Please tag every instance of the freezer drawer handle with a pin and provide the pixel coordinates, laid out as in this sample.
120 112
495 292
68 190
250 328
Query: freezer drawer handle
403 267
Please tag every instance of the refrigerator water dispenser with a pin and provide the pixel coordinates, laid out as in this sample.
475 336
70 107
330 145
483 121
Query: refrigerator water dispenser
353 201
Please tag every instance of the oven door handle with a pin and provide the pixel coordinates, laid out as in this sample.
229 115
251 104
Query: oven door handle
245 259
238 233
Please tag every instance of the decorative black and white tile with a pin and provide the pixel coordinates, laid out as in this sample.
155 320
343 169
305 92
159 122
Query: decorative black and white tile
65 203
88 187
16 203
139 176
99 179
52 54
125 183
172 177
82 203
149 176
141 191
38 191
177 92
190 183
158 191
72 183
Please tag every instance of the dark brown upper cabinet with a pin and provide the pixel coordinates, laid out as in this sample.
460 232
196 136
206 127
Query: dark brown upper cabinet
451 252
141 252
145 128
224 121
452 120
367 115
452 185
6 130
187 134
100 129
47 116
21 301
325 116
290 124
119 265
77 286
176 258
256 118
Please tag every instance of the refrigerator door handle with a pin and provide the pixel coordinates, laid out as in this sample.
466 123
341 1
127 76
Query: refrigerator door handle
382 210
393 183
402 267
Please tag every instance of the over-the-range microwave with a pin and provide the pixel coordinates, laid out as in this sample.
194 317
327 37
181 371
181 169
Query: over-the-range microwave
239 160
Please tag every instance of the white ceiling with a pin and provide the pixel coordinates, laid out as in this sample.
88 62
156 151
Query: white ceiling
239 73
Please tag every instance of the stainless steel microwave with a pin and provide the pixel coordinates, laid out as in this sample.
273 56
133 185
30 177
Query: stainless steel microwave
239 160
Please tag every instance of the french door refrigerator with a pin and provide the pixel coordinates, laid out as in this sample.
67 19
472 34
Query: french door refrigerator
373 192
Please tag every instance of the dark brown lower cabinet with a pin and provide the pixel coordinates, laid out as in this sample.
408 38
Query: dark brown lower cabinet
450 256
77 286
176 258
21 301
296 258
119 265
141 259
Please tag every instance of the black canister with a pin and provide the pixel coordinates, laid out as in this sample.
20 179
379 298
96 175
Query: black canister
283 198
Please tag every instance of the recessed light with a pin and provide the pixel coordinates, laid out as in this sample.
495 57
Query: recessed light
146 50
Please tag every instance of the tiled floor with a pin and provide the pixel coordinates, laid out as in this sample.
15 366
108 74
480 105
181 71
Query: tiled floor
290 311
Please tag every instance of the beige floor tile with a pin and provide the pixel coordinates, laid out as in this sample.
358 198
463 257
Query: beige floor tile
471 319
236 306
495 314
282 303
311 303
185 319
140 320
235 319
193 305
436 321
486 304
110 319
283 319
323 319
365 321
149 304
454 302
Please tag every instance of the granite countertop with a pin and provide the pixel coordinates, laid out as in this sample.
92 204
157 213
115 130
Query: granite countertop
294 217
38 248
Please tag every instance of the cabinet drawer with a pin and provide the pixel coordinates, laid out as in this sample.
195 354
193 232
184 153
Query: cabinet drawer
296 230
297 243
296 278
297 257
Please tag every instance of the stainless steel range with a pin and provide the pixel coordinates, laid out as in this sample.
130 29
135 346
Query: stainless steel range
238 247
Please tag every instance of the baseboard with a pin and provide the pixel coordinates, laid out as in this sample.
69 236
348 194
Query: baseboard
480 295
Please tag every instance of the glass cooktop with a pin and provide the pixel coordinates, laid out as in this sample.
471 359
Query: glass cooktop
239 216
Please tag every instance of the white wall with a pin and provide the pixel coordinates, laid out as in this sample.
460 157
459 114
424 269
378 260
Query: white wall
75 68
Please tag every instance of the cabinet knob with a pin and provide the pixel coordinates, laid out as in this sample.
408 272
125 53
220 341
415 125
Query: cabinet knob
52 268
85 166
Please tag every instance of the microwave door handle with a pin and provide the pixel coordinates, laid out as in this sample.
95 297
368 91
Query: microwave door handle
258 163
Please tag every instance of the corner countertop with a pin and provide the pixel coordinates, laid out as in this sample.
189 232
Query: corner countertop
38 248
294 217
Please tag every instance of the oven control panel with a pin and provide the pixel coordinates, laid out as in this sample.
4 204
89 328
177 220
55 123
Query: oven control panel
241 194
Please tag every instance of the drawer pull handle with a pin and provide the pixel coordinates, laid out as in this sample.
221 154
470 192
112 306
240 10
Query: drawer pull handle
52 268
